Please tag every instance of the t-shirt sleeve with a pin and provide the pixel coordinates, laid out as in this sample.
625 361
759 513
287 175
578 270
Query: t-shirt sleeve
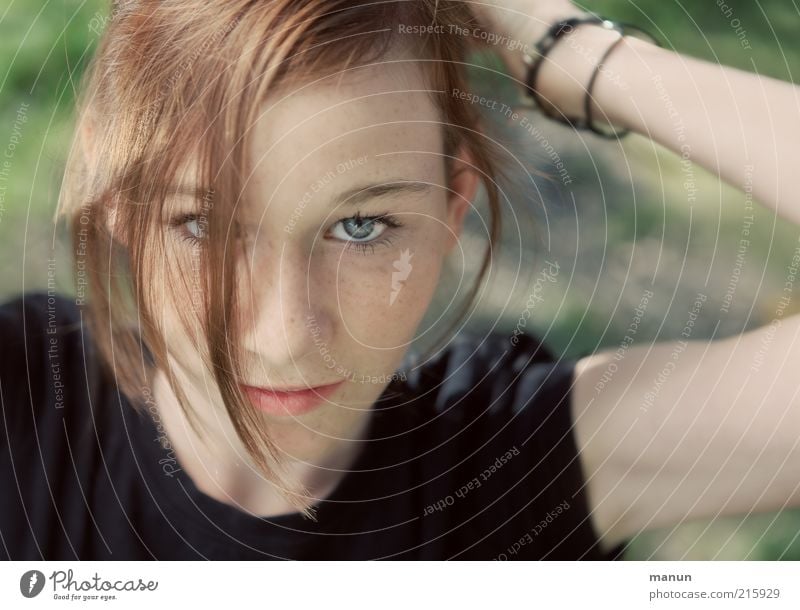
512 402
541 414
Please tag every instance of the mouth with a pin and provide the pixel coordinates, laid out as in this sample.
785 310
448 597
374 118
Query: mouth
289 402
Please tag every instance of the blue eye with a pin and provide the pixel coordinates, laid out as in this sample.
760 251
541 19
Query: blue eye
194 228
358 229
363 231
191 227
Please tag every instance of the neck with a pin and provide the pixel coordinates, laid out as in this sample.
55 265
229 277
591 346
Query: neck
220 467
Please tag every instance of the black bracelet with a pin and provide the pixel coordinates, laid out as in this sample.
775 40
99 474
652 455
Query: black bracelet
587 106
545 45
626 30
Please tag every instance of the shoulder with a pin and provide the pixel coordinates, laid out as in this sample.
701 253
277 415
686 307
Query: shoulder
503 371
492 379
29 318
505 410
34 325
63 441
41 340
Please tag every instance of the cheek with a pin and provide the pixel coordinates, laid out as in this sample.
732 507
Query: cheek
381 304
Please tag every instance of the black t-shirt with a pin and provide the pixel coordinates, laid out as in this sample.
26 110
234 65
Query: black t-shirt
472 456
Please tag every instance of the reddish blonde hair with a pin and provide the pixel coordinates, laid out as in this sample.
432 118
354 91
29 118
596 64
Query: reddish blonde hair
186 77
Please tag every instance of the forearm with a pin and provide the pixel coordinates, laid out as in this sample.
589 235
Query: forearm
741 126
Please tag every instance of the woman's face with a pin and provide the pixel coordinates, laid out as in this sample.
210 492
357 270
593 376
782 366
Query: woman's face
347 216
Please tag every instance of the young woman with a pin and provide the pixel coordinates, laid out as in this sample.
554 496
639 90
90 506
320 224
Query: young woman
262 196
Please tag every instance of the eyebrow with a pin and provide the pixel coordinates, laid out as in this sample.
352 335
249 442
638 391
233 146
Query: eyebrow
188 191
353 196
378 190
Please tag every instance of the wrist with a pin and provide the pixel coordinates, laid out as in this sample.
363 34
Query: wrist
526 31
577 70
568 68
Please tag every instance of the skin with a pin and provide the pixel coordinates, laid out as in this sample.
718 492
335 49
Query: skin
721 438
299 275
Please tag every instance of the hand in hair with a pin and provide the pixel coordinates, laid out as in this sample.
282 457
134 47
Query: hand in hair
514 27
521 22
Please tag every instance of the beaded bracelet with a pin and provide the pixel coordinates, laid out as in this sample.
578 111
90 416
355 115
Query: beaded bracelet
546 44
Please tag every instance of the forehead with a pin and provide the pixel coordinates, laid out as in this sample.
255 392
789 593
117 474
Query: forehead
377 120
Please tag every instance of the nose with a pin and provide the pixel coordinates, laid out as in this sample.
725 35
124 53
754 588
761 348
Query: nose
286 327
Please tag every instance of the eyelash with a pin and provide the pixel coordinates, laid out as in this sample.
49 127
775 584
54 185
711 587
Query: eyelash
177 224
391 222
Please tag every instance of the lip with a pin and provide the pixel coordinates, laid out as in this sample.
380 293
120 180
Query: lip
289 402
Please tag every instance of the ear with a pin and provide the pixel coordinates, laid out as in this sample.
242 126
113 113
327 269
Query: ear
87 138
88 146
463 182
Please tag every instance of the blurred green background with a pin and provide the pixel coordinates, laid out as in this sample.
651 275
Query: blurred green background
623 226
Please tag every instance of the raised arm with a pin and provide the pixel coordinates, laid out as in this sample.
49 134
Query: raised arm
682 429
742 126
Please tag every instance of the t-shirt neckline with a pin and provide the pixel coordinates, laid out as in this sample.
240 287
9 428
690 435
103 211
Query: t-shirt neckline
180 499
